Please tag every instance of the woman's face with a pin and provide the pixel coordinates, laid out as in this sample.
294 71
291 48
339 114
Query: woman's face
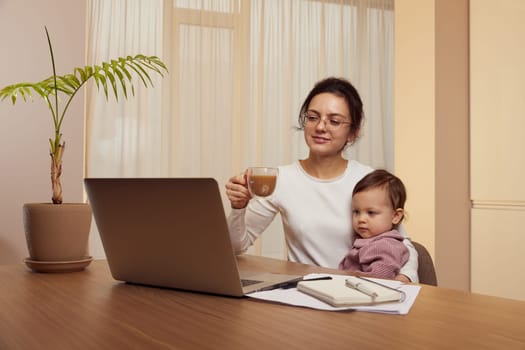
322 137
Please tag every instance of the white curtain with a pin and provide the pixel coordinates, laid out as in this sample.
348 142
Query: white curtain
125 138
239 71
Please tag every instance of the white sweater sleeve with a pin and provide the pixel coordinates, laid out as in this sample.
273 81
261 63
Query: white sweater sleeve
246 225
411 266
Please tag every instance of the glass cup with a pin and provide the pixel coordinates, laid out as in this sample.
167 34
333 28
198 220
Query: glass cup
262 180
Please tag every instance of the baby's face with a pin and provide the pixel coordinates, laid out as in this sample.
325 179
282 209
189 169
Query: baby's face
372 213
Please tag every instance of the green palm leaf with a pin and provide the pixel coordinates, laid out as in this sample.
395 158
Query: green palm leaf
116 75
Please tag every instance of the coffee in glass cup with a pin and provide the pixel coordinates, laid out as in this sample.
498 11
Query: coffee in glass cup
262 180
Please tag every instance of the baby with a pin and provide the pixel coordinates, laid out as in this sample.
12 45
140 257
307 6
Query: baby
378 203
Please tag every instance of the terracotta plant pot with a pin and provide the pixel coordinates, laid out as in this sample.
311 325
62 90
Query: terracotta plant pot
57 236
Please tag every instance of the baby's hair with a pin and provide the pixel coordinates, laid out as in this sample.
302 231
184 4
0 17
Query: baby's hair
383 179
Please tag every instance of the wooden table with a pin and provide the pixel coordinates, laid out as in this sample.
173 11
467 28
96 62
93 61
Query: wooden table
90 310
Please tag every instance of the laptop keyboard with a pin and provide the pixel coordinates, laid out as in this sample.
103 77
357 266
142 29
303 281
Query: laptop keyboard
248 282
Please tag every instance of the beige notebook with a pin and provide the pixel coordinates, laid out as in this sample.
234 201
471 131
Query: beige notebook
351 291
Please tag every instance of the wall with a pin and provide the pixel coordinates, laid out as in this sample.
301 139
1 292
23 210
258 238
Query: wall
459 106
497 144
26 127
414 110
452 144
431 129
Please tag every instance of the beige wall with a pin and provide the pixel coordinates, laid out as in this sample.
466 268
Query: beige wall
497 144
452 144
458 107
26 127
431 129
414 110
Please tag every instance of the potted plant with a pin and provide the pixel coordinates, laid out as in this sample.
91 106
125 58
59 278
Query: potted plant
57 233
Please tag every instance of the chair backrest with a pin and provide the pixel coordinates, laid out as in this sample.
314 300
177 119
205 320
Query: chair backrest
426 270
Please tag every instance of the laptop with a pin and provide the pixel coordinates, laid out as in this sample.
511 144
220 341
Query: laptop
171 232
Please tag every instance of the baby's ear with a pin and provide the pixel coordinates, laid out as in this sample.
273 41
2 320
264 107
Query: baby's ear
398 216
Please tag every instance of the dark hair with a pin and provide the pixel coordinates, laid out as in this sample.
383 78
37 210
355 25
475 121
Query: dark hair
343 88
384 179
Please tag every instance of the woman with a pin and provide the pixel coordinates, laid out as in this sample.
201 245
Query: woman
313 195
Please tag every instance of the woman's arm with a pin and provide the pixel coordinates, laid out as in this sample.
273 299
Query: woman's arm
240 240
246 225
409 270
248 218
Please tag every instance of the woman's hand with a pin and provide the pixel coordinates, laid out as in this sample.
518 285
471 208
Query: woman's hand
237 191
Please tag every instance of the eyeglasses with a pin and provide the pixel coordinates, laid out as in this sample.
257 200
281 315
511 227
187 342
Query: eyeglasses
331 123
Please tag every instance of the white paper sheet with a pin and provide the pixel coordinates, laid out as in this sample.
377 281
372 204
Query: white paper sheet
293 297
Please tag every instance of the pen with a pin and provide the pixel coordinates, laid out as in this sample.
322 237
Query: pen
294 283
318 278
361 287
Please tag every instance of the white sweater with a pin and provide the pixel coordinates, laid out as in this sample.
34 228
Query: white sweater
316 217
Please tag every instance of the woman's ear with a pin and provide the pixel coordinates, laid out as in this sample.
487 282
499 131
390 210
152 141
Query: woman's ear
398 216
352 136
